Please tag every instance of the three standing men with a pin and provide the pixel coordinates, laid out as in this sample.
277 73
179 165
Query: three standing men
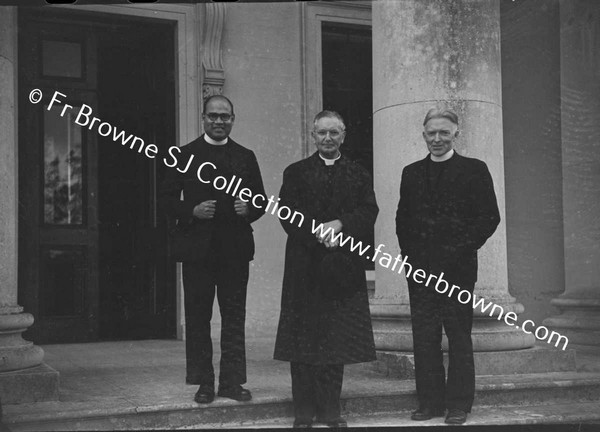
325 321
214 241
447 211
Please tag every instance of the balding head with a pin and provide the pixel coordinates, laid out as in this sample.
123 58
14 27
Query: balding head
218 117
215 98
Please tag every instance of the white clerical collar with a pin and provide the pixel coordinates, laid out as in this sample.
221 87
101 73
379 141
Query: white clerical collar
329 162
443 157
214 142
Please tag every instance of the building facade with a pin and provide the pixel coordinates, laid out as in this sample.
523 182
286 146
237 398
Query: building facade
84 255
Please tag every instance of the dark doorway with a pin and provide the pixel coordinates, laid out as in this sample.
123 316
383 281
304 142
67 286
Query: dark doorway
348 88
135 84
92 262
348 85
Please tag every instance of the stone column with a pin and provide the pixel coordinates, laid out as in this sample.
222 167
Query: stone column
424 52
579 305
16 354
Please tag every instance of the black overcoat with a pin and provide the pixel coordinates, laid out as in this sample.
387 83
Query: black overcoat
235 233
441 230
314 328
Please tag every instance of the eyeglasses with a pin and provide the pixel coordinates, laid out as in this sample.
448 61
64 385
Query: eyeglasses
322 133
224 117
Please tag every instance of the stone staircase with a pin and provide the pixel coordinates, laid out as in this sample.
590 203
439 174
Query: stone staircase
524 391
550 390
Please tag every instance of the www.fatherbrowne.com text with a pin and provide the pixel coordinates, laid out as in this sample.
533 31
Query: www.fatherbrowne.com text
231 186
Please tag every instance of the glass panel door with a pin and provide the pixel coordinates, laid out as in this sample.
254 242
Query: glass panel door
58 216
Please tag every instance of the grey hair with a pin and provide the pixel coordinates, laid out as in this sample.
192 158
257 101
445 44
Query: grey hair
330 114
446 113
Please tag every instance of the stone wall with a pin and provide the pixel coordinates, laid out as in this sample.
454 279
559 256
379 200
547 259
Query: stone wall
261 58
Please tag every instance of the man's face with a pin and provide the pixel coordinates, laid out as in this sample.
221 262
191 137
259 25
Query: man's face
440 134
328 135
218 119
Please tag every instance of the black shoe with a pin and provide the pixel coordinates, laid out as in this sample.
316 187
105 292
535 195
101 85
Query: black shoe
205 394
302 424
426 413
456 416
236 392
335 423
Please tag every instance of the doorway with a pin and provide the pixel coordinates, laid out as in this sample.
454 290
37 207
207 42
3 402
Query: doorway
92 257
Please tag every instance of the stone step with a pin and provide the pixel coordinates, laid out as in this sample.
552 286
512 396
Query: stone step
507 390
538 359
585 415
35 384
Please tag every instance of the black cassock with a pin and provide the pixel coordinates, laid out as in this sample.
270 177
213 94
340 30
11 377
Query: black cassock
325 315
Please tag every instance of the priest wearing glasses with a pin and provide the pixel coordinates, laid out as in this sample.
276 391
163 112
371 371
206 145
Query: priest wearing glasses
214 241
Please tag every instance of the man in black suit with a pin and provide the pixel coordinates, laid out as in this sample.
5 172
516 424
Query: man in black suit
447 211
214 240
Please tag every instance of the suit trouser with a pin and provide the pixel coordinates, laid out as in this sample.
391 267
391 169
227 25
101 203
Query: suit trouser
429 311
316 390
229 278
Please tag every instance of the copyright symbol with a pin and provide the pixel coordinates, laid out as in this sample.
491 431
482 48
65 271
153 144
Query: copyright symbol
35 96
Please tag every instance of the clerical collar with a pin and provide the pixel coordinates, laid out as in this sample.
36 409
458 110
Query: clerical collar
443 157
214 142
330 162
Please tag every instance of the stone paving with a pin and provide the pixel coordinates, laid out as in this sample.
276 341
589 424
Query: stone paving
135 377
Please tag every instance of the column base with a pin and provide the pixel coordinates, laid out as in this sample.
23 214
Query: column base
579 320
539 359
15 352
36 384
392 330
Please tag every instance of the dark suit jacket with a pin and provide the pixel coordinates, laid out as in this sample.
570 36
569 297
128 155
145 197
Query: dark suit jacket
441 231
234 232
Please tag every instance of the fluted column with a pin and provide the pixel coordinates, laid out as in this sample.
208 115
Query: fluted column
579 305
426 51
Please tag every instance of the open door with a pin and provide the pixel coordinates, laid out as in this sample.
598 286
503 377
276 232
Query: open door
92 261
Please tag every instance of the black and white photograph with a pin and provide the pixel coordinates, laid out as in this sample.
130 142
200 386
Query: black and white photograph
295 214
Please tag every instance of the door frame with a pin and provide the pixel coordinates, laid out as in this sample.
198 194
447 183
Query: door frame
188 79
312 15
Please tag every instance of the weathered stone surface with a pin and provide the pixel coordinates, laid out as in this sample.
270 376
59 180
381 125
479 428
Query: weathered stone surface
15 353
35 384
524 390
8 160
426 52
532 360
140 385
